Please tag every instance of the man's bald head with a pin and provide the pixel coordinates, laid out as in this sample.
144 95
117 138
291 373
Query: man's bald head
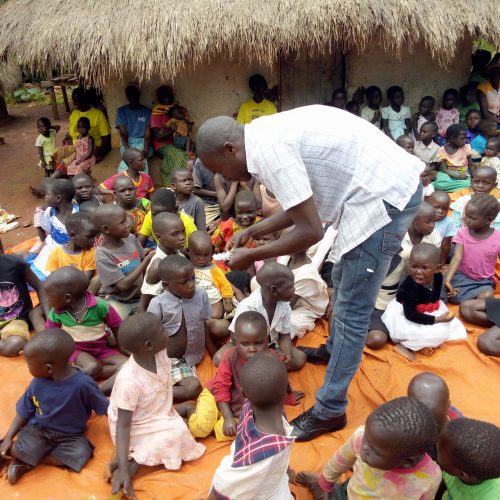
220 143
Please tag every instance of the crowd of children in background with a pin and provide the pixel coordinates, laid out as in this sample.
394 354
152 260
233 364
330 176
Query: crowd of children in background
134 287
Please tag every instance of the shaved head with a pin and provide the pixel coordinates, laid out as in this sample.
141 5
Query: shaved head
215 132
104 214
271 272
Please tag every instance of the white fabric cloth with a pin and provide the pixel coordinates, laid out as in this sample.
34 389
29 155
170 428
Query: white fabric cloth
348 166
415 336
427 191
154 288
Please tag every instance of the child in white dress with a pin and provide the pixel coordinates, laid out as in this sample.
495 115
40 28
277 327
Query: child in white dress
417 319
144 426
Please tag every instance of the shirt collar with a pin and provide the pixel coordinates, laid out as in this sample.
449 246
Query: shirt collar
90 302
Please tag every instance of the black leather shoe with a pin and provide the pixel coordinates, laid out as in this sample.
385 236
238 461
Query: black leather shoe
316 355
307 426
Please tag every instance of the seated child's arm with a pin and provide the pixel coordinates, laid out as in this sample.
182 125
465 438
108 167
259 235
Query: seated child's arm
454 265
122 481
113 321
294 300
411 313
445 250
225 200
36 284
385 127
470 166
407 126
142 238
209 343
285 344
414 124
222 284
56 127
17 424
89 154
127 281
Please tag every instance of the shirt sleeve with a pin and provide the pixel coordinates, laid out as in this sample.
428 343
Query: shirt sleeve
189 225
221 283
52 261
39 141
108 271
45 223
407 113
408 296
109 183
468 149
120 117
282 170
102 124
342 460
459 237
88 260
25 406
94 398
221 383
384 113
147 225
441 154
112 319
148 179
138 246
200 219
51 320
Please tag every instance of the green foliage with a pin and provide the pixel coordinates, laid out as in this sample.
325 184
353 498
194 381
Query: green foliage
25 95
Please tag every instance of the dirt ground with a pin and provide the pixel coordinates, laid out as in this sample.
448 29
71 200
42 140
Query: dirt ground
19 165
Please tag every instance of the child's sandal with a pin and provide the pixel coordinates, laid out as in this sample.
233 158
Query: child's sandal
17 470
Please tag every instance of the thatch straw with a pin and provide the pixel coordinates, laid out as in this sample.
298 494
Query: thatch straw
10 76
145 37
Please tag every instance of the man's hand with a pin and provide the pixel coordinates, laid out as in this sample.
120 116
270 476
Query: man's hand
229 427
240 239
241 259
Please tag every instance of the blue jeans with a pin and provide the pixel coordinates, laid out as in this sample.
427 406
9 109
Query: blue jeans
357 278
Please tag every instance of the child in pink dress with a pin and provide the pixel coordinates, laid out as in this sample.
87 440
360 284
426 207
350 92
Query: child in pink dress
144 426
448 114
85 157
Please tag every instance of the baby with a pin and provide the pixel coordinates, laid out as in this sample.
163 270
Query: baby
144 426
52 414
388 456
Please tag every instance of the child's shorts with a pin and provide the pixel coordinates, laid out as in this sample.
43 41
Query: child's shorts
99 349
468 288
15 327
34 443
181 370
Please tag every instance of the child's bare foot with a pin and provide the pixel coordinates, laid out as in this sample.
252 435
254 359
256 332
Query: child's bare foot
110 468
406 353
310 480
427 351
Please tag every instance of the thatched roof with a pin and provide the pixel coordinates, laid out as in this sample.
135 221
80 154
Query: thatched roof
100 39
10 76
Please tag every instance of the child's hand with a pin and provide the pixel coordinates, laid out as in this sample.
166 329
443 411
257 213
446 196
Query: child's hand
149 256
286 358
122 482
228 305
229 427
5 445
451 292
444 318
293 399
377 115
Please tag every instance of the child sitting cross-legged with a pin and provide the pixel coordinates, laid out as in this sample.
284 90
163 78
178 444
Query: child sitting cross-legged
271 299
137 208
491 156
455 161
162 201
169 230
145 427
86 318
417 320
219 404
119 259
257 464
52 414
444 225
469 454
471 273
183 309
187 202
134 160
388 456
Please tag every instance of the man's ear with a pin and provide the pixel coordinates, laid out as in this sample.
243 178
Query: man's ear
229 148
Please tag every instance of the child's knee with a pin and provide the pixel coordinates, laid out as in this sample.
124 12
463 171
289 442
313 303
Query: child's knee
299 359
91 368
489 342
218 355
376 339
219 328
12 346
37 319
191 387
202 422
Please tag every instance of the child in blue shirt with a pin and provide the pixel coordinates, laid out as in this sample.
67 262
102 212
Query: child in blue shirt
444 224
52 414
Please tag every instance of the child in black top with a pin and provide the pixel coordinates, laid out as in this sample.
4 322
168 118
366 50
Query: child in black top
417 319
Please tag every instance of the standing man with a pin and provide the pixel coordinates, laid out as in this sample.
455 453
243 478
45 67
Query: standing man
324 165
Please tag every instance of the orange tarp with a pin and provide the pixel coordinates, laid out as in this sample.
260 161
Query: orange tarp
472 377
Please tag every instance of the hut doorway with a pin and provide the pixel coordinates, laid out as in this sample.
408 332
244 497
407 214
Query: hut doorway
309 78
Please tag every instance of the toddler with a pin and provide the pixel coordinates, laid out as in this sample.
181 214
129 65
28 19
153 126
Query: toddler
417 320
183 309
208 276
443 224
219 404
59 200
163 200
311 294
134 160
472 119
260 454
477 245
119 259
144 426
46 144
272 301
425 114
484 181
484 312
455 161
425 148
468 101
447 114
16 309
388 456
136 208
469 454
79 252
245 206
89 320
407 143
171 235
371 112
181 126
396 118
187 202
85 157
227 190
486 129
52 414
491 156
85 192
